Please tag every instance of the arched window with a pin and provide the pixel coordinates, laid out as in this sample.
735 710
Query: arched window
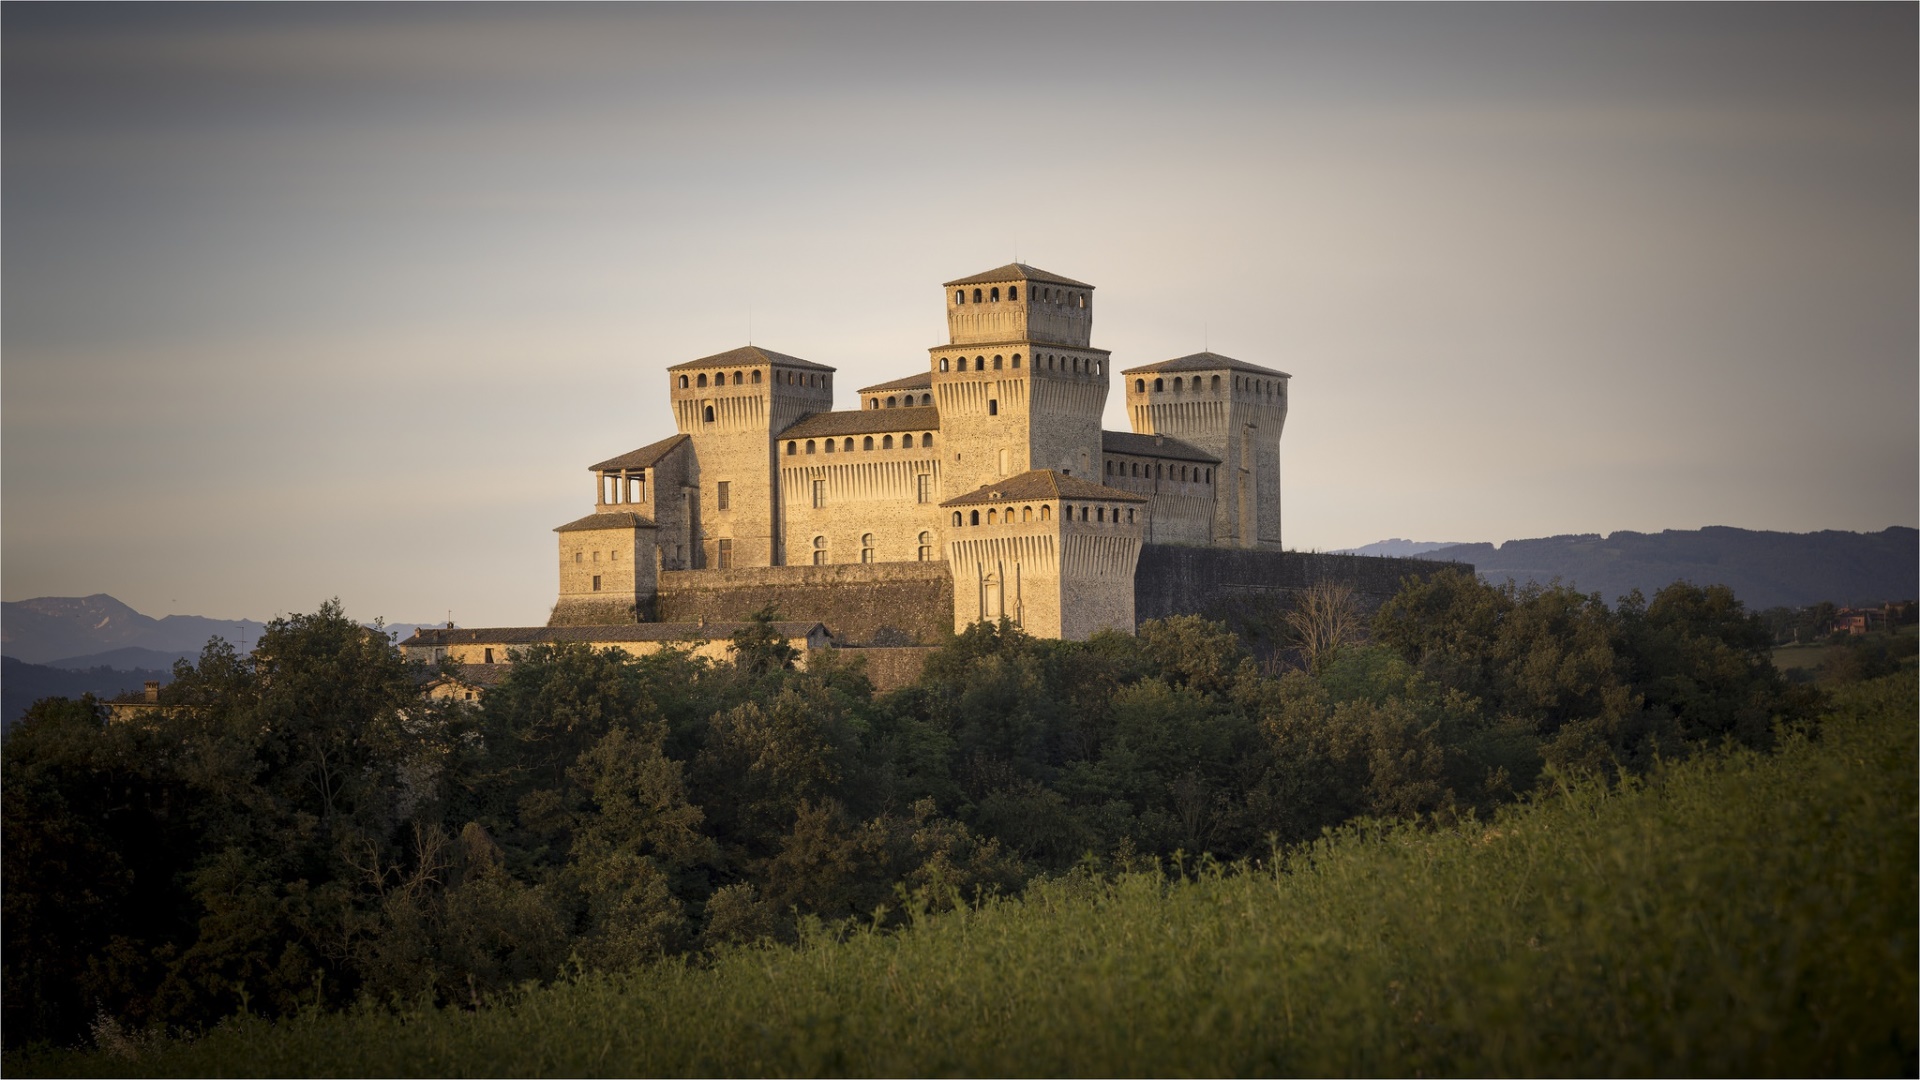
1099 367
993 407
943 363
866 547
1159 385
959 296
809 446
1100 514
906 441
1178 383
926 546
702 380
831 446
1136 468
873 403
1013 292
866 443
886 442
994 294
1026 513
791 447
926 438
756 377
973 517
1209 476
709 414
1129 515
926 399
997 361
993 516
1139 386
683 382
1083 513
1080 300
893 402
849 447
956 519
1016 359
819 551
738 378
979 363
1216 384
1046 512
1109 468
976 296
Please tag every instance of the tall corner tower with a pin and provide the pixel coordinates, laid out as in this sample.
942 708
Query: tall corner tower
1018 384
732 404
1233 410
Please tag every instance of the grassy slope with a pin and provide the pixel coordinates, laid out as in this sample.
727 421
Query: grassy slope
1748 915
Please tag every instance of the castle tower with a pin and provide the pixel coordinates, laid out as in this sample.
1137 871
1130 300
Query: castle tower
1055 554
1018 385
1233 410
607 570
732 404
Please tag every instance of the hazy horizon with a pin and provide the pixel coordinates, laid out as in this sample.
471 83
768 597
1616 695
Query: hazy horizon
303 302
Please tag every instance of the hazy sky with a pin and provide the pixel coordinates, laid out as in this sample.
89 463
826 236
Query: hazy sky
303 302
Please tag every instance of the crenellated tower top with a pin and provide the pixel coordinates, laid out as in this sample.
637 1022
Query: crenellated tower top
1017 302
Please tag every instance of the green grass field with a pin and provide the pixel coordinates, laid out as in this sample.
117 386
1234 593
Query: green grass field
1745 914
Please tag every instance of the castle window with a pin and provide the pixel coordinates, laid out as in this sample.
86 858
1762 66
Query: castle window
1046 512
819 494
926 438
819 549
613 556
1016 359
489 656
926 547
1013 292
1026 513
956 519
923 490
724 554
1158 386
1099 367
1100 514
873 403
723 495
1081 300
1136 468
1109 468
1129 515
943 363
791 447
926 399
849 446
993 516
1178 382
596 583
1083 513
1216 384
810 446
979 363
960 296
973 517
993 407
709 414
886 442
1209 476
756 376
702 380
683 382
893 403
976 296
906 441
866 547
830 445
737 380
596 556
997 361
866 443
1139 386
994 294
579 556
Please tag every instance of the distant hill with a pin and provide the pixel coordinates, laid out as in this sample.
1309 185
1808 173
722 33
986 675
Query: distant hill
22 684
86 631
1398 549
128 658
1764 569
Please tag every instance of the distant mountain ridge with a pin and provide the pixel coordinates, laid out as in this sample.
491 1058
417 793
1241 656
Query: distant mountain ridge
77 632
1398 548
1764 569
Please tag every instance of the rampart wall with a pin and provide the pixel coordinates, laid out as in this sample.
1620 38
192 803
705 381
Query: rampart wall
901 603
1173 580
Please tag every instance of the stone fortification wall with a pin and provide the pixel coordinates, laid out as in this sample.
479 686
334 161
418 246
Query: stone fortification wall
892 668
871 603
1217 581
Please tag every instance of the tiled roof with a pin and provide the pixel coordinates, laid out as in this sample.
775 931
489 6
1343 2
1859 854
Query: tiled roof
1042 484
1204 361
612 519
922 381
644 457
481 676
1018 272
864 422
541 635
747 355
1161 446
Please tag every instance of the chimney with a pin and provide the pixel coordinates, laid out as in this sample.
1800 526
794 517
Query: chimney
153 691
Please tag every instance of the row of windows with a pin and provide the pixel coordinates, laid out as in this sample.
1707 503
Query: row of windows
1258 386
1049 362
923 549
1150 470
789 378
886 443
581 556
894 402
1045 513
1046 296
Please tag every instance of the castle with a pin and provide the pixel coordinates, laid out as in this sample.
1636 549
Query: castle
991 461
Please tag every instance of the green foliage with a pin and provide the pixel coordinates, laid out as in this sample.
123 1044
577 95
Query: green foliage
1742 913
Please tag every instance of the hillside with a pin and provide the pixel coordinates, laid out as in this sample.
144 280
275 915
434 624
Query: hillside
1764 569
22 684
77 632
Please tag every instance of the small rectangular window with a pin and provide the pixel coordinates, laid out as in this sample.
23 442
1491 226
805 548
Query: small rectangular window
819 494
723 495
596 583
726 552
489 656
925 484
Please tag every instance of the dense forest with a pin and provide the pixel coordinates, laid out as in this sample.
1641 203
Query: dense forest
304 829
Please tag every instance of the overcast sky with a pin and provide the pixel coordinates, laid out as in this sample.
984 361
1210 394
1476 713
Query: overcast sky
304 302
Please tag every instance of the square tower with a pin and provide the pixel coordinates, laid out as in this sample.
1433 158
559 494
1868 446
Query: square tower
1234 411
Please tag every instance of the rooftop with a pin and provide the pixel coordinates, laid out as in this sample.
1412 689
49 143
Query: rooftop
1204 361
1018 272
1042 484
748 356
644 457
544 635
1160 446
613 519
922 381
864 422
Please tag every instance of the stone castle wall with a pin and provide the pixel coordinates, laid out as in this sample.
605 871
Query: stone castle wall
1195 580
871 603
